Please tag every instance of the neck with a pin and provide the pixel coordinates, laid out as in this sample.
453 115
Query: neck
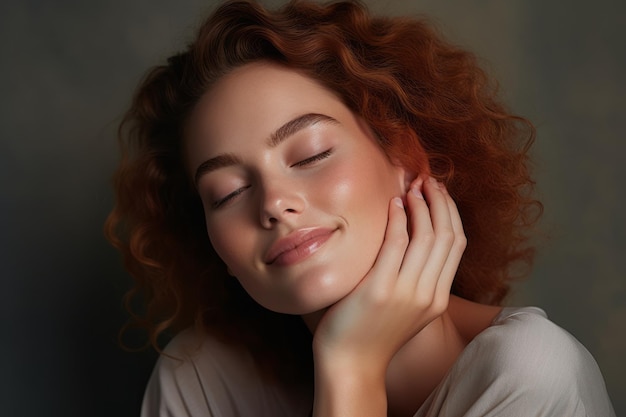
422 363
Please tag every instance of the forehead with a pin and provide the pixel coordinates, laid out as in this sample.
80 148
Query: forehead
251 102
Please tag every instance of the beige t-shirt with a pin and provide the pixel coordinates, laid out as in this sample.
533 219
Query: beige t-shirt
522 365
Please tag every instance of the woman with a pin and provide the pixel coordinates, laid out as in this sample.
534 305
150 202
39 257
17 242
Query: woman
297 189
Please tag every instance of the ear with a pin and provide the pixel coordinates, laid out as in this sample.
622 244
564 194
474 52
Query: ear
405 177
408 179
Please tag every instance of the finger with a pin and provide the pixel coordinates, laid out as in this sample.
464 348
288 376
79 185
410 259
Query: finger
389 259
458 247
422 236
443 237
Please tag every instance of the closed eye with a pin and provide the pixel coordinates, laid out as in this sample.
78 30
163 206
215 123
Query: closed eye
314 158
221 202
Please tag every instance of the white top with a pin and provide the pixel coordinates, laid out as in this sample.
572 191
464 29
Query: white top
522 365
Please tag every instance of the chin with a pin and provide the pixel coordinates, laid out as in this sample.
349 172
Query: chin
312 286
299 304
321 293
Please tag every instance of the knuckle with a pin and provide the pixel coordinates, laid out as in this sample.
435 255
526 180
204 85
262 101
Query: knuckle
401 239
423 301
460 241
440 304
446 236
426 238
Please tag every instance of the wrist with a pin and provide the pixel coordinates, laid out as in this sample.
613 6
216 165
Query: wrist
348 387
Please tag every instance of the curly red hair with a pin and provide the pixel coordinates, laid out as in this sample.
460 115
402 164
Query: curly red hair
430 105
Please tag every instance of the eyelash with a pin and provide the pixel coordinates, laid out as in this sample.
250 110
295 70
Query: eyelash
320 156
219 203
314 158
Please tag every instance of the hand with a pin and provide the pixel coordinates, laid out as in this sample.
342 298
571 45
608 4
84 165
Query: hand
407 287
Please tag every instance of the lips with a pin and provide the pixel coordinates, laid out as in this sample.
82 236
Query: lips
297 246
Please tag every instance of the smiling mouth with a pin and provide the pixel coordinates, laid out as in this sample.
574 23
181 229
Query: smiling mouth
297 246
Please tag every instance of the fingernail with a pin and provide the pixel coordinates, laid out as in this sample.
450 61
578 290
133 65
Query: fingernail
434 182
398 202
416 192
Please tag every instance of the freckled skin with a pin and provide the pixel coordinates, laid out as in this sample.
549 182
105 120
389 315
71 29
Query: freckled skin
348 191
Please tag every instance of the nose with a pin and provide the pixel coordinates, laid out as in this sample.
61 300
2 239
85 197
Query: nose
279 203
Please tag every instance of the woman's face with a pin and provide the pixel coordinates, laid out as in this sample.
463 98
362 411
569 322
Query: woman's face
294 186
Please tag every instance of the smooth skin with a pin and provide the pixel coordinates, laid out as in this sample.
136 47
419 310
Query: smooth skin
327 172
375 292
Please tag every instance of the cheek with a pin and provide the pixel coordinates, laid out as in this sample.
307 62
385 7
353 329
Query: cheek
228 242
343 186
361 195
360 188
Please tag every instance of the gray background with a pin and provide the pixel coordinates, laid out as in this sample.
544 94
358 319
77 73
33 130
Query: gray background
67 72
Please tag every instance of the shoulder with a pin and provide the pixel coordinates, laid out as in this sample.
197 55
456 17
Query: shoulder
525 339
524 343
523 364
196 354
182 378
528 356
198 375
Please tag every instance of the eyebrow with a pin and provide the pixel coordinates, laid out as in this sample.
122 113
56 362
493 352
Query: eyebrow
293 126
285 131
212 164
